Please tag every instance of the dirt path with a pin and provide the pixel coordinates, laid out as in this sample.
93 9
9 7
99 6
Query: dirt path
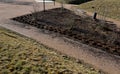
95 57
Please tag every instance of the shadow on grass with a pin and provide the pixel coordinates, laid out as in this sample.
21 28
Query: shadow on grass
79 1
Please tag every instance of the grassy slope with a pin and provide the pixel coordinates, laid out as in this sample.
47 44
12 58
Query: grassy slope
22 55
110 7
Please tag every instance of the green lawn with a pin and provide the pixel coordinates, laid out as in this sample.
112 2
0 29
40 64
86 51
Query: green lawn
109 8
21 55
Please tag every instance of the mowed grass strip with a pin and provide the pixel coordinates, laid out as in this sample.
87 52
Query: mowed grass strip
107 8
21 55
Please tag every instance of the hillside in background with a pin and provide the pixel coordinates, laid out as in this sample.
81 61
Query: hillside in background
109 8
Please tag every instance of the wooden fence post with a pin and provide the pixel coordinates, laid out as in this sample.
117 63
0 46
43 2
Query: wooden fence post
95 16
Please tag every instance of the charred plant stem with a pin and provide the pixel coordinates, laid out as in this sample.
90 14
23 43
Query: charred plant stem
44 5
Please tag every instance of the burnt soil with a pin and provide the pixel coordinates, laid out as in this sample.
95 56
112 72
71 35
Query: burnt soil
100 34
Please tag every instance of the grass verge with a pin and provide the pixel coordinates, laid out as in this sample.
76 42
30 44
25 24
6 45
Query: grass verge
22 55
